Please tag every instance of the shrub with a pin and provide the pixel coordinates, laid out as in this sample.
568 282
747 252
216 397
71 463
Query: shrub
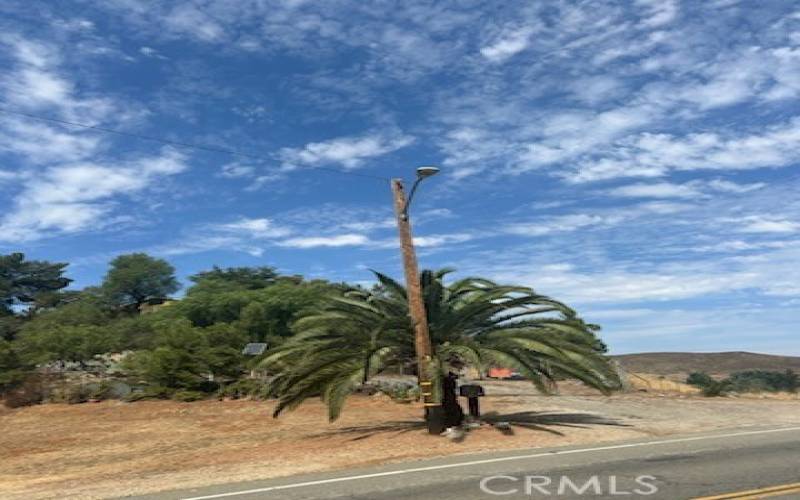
188 396
29 392
107 389
77 393
716 388
245 388
699 379
12 370
184 356
400 391
152 392
746 381
764 380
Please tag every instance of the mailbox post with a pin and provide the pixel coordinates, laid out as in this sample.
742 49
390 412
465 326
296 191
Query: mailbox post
472 392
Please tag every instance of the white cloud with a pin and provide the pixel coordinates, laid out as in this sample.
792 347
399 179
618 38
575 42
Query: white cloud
438 240
750 73
365 226
740 246
256 179
652 155
34 83
570 134
261 228
561 223
190 245
696 189
759 224
235 170
592 315
602 219
349 152
657 190
732 187
428 241
658 12
775 275
30 53
596 90
341 240
786 72
151 52
39 143
509 43
186 19
76 197
7 175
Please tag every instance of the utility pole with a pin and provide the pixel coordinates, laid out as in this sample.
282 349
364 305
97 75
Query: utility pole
431 396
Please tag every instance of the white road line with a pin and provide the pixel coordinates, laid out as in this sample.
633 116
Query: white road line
486 461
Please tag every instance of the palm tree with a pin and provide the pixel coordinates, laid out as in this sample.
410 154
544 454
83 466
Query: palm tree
473 321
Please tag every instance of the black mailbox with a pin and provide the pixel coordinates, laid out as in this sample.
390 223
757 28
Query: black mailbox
471 391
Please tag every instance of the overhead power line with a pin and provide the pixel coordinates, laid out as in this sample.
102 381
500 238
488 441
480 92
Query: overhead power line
181 144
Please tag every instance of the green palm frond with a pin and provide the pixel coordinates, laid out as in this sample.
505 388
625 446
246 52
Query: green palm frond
356 335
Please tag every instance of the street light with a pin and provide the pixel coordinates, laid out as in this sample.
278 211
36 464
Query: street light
427 171
431 397
422 173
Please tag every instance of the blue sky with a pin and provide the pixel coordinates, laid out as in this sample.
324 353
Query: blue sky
635 159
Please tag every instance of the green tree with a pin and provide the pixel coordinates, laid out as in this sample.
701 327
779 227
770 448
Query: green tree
263 314
65 343
183 357
700 379
790 381
134 278
472 322
224 353
177 361
22 280
763 380
9 325
134 332
76 331
12 368
232 279
54 299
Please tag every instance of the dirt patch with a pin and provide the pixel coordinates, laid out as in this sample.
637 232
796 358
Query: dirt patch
112 448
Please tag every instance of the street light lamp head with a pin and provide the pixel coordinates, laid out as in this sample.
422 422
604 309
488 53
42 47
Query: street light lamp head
427 171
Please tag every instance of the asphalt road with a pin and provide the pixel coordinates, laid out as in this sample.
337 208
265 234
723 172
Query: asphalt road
670 468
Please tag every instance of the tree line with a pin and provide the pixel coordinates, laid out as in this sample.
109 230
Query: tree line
325 340
746 381
194 344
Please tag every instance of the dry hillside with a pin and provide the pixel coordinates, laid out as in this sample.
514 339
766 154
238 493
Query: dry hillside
673 363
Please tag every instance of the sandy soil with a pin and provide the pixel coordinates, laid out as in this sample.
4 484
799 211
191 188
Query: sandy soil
113 448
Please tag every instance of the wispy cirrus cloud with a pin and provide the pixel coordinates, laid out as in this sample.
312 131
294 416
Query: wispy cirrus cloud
74 197
349 152
655 155
761 224
339 240
509 42
67 182
689 190
36 82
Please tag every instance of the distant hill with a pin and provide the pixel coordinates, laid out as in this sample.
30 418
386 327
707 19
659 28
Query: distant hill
673 363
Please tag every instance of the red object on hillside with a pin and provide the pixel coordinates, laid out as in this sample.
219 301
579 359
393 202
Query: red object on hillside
499 373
